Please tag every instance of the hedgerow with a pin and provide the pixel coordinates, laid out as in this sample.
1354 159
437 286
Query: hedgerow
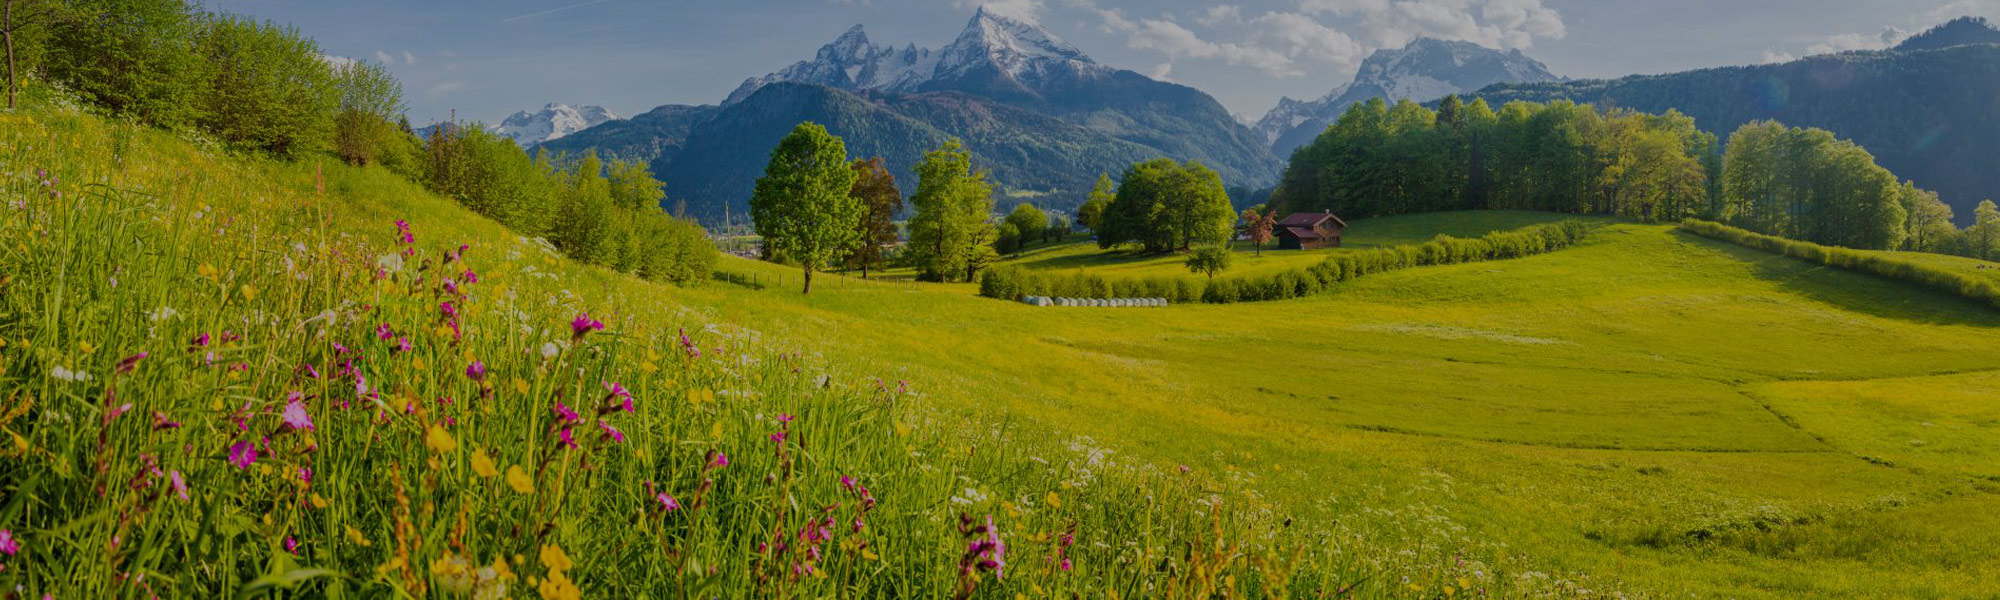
1013 283
1873 263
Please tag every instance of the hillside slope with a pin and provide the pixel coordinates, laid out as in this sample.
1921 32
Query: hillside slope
1614 419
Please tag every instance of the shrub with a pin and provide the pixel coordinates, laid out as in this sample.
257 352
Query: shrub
1880 265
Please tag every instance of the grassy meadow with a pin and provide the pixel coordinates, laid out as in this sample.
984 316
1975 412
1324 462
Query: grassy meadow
1646 414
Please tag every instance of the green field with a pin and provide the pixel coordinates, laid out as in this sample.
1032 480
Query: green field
1646 414
1605 406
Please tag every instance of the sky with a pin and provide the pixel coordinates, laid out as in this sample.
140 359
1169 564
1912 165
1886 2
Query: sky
485 59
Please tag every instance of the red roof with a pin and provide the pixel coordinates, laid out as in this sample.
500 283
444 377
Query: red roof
1310 220
1304 233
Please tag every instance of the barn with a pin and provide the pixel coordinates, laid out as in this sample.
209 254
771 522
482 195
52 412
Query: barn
1309 231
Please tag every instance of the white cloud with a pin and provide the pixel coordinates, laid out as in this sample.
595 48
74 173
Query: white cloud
1301 36
384 58
1219 14
1505 24
1163 72
1176 41
337 62
1025 10
1889 36
1337 33
409 59
1773 56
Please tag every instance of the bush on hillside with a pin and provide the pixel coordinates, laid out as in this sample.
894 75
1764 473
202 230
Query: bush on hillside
1874 263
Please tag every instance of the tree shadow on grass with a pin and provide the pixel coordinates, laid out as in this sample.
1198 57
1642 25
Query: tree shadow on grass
1854 291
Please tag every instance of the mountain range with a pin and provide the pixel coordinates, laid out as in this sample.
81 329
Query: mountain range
552 122
1425 69
1040 115
1928 109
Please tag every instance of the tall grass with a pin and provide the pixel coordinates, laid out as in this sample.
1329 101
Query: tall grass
217 380
1012 283
1970 286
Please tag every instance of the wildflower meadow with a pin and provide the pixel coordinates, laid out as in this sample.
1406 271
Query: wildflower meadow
223 377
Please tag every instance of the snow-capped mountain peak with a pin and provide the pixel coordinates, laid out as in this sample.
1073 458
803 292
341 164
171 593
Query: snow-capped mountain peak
553 121
1426 69
1016 47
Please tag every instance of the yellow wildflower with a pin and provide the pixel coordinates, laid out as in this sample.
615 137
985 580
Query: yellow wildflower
518 479
440 440
249 292
354 535
86 347
559 587
520 386
483 464
553 557
1054 500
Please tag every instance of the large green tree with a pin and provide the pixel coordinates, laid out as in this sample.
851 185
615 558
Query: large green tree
1806 184
951 232
803 205
1162 205
875 187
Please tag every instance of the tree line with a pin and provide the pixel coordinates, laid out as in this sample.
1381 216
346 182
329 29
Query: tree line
598 213
260 87
1561 156
1558 157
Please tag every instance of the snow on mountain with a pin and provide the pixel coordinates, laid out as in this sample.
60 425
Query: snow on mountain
551 122
1424 70
1014 47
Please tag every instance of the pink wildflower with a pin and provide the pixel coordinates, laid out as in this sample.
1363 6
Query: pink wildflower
716 460
476 371
178 484
242 455
130 363
611 432
582 325
291 545
295 414
564 414
7 543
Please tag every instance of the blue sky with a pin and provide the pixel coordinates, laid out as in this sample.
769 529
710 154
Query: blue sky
488 58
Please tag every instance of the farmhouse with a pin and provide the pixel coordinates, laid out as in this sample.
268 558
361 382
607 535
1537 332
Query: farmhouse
1309 231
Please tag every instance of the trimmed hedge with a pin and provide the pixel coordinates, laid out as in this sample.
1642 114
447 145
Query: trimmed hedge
1871 262
1013 283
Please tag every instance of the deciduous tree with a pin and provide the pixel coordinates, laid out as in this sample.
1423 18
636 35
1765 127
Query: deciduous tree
951 234
875 187
803 205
